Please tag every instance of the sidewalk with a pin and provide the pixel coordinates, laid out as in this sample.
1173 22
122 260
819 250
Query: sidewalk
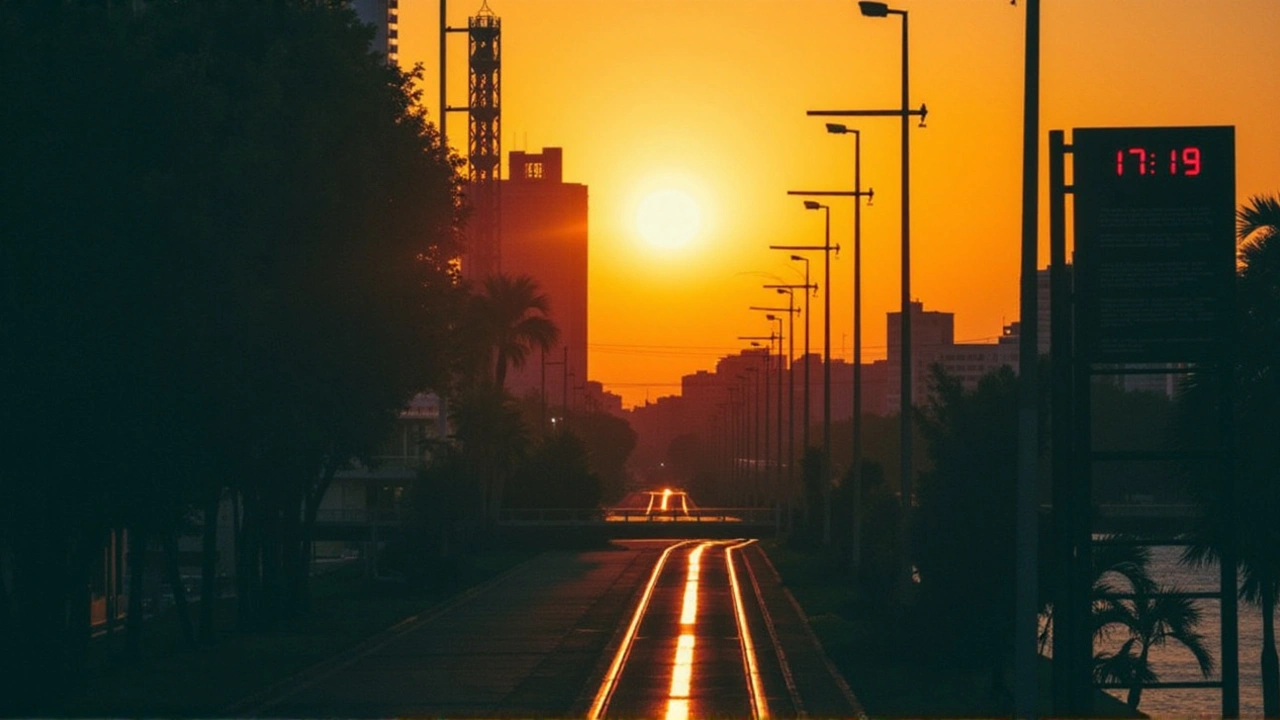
822 692
520 645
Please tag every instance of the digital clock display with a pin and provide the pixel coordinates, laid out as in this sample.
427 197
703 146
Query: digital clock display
1150 162
1154 261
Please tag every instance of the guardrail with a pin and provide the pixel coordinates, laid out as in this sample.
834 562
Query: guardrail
359 516
608 516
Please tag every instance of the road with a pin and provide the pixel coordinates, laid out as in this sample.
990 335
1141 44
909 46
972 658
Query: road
669 629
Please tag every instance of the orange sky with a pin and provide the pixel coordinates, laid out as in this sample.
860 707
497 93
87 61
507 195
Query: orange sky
709 97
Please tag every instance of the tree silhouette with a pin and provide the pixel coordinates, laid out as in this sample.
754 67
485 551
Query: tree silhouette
511 313
1149 614
1257 395
225 226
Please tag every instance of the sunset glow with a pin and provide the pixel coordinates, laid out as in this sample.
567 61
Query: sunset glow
686 120
668 218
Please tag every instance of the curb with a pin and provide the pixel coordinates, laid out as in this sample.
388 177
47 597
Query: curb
813 637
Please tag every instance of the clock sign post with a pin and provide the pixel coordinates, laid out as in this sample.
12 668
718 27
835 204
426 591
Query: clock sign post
1150 292
1155 242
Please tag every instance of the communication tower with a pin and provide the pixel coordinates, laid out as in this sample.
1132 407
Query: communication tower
484 151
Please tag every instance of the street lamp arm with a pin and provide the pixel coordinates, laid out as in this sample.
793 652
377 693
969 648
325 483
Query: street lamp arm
804 247
770 309
922 113
839 193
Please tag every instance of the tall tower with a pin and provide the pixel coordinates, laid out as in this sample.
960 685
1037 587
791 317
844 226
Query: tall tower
484 148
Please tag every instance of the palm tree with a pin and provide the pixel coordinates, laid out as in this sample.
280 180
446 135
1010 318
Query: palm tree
1149 614
512 315
1257 394
1126 599
493 440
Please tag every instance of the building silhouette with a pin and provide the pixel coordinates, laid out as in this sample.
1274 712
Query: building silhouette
544 235
384 16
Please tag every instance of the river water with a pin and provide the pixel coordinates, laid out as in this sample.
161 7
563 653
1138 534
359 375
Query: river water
1174 663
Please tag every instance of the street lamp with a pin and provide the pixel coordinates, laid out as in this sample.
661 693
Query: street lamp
841 129
792 311
755 343
754 428
777 471
826 247
879 9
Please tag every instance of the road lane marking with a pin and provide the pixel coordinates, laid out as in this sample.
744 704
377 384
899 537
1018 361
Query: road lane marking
682 667
783 665
610 681
759 703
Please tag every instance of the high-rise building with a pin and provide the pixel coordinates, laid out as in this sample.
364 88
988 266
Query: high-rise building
384 16
544 235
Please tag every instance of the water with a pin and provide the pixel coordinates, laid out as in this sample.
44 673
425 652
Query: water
1173 662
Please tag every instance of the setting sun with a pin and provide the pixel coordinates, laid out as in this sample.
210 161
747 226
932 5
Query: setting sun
668 218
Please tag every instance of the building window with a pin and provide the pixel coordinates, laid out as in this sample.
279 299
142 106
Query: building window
533 171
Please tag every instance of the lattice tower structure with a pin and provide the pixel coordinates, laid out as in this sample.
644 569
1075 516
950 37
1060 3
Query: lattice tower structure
484 139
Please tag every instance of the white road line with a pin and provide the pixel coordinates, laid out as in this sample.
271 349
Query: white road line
610 681
759 703
783 665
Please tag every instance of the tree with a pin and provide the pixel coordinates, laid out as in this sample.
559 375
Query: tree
1254 531
609 441
964 534
494 440
225 227
511 314
556 474
1151 615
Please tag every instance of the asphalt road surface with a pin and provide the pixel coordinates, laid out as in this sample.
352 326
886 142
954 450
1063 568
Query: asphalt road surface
654 629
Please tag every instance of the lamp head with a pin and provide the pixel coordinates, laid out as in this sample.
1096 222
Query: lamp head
784 291
837 128
797 258
873 9
770 317
811 205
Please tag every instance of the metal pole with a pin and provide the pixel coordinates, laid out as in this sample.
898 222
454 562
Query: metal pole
755 436
1025 603
857 352
904 405
826 383
808 417
791 401
764 478
777 473
444 141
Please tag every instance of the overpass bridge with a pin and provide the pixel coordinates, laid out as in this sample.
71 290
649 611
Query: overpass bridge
1161 520
603 523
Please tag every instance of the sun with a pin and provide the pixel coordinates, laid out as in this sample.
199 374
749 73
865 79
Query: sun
668 218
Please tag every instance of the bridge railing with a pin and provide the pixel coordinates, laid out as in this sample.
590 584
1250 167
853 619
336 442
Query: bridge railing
605 516
359 516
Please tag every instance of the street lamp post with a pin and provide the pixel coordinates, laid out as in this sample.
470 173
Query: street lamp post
755 342
791 396
792 311
840 129
826 247
809 288
857 194
777 470
880 9
755 427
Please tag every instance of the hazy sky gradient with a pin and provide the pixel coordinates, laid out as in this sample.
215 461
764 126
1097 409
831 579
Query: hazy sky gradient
709 96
